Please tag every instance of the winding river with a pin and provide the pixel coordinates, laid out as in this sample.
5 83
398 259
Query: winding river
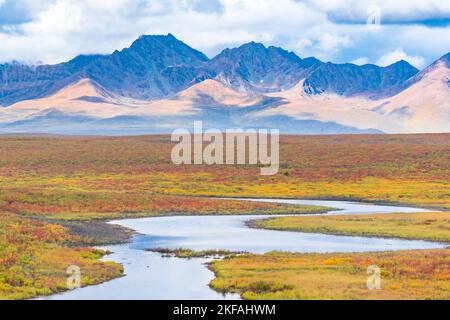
150 276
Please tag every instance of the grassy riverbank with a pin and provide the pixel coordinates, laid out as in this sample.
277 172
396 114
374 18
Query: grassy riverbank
404 275
35 255
432 226
419 274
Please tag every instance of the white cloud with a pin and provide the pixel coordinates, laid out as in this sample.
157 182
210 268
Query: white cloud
391 11
331 42
399 54
361 61
68 27
61 29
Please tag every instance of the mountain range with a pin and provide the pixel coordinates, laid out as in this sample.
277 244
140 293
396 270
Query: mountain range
160 83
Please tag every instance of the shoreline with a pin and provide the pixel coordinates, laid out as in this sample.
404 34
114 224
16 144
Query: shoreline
348 199
252 224
129 233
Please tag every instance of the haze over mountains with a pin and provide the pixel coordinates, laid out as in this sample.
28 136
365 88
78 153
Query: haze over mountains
160 84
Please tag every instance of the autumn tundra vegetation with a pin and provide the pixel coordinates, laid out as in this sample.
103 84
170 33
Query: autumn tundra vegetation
419 274
432 226
57 192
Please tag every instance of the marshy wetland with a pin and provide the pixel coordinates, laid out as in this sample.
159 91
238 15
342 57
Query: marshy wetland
57 193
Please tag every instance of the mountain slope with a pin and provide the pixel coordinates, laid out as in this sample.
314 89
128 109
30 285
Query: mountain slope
156 67
329 107
425 105
153 67
349 79
255 67
84 97
20 82
213 91
160 84
87 108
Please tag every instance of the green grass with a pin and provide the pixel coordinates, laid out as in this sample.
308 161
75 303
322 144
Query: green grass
433 226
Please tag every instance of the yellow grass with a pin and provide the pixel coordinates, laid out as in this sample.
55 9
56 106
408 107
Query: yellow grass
86 178
434 226
404 275
34 258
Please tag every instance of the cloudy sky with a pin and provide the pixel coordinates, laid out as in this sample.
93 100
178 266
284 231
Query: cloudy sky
52 31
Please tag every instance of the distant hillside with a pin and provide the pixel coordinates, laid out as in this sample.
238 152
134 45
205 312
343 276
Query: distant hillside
160 84
155 67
